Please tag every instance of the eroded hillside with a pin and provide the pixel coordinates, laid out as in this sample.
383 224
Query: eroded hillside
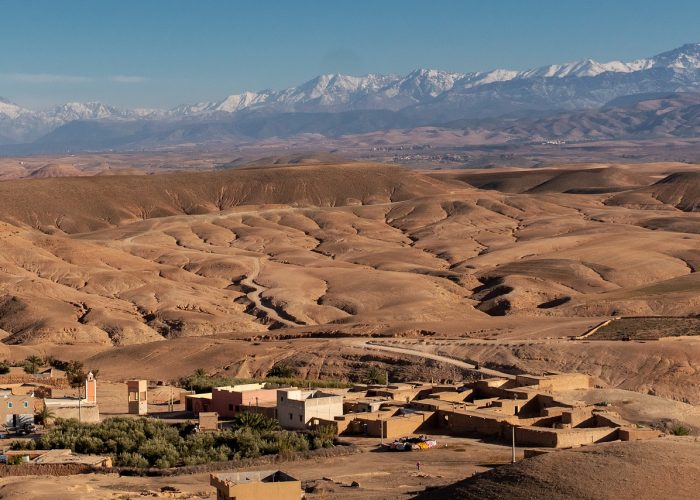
124 260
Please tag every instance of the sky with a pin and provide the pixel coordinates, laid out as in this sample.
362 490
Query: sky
161 53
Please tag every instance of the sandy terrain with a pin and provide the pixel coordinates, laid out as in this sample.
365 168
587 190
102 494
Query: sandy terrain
643 469
118 270
235 271
381 475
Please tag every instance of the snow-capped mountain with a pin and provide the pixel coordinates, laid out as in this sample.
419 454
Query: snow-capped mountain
11 110
71 111
18 124
422 97
335 92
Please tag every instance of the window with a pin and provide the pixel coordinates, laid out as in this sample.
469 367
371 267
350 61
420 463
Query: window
291 416
300 420
230 407
26 404
9 404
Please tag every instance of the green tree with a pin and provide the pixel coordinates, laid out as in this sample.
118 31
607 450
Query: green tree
33 363
75 373
256 422
153 443
4 368
44 415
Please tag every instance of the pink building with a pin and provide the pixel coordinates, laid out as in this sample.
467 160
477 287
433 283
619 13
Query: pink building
230 400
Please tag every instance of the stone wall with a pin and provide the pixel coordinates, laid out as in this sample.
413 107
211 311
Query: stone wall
90 414
466 423
563 438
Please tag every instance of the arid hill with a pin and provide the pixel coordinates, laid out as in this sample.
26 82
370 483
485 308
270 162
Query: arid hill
640 470
275 252
581 179
84 204
680 190
56 170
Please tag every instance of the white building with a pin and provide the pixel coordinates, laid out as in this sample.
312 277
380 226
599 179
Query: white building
296 409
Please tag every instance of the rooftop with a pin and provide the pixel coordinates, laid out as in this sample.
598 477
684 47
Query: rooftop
261 476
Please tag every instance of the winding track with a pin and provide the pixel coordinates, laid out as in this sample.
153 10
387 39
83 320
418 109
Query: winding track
255 295
436 357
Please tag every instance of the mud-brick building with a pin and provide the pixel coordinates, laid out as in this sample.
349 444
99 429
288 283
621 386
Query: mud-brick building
297 409
256 485
229 401
16 409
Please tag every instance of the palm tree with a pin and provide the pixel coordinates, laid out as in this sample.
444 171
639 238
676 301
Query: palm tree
256 422
33 363
45 415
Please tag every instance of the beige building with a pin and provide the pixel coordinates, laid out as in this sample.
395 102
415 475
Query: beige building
84 409
208 421
137 397
256 485
16 409
297 409
528 405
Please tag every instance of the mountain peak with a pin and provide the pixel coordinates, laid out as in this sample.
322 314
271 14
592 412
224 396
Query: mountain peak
448 95
11 110
685 57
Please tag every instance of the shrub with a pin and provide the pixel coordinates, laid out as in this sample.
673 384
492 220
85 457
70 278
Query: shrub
153 443
375 376
679 430
129 459
282 371
323 436
160 453
4 368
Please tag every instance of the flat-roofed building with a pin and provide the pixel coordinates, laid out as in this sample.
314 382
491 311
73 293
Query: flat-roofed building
137 397
256 485
16 409
197 403
297 409
229 401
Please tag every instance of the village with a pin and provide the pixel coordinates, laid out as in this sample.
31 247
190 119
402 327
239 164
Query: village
522 412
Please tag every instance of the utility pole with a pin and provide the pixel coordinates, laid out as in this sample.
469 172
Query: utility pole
516 410
381 430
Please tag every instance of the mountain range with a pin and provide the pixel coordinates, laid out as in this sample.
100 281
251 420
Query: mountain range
336 104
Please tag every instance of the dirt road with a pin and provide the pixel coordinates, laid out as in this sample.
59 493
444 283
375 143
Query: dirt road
436 357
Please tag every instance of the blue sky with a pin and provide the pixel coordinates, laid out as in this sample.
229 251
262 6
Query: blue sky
160 53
